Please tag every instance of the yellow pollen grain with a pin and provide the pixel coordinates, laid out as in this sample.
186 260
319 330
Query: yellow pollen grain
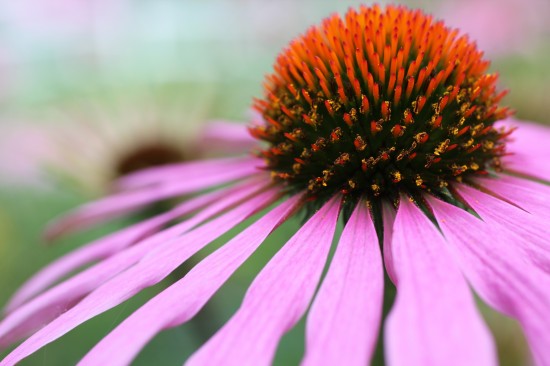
397 177
442 147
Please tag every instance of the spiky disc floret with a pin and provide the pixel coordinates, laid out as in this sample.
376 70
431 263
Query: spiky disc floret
377 102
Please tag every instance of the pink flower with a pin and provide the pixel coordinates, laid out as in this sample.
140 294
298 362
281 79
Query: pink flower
90 146
422 170
63 18
499 26
22 149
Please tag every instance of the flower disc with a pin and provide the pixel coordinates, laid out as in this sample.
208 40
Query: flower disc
377 102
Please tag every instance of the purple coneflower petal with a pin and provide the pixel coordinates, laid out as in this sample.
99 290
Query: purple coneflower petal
497 270
169 172
525 137
530 232
149 271
181 301
531 196
58 299
342 326
433 301
226 137
103 248
529 152
125 202
531 165
277 298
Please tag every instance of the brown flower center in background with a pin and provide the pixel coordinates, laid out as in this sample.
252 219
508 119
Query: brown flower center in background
147 156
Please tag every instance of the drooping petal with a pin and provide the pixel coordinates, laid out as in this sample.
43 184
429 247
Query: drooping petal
149 271
125 202
277 298
103 248
226 137
181 301
530 232
434 320
499 273
166 173
529 149
529 195
527 136
58 299
343 323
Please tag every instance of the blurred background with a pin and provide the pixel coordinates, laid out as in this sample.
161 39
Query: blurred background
90 87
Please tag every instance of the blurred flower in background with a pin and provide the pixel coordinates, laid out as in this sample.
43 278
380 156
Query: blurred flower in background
514 34
89 144
500 27
102 143
23 150
95 63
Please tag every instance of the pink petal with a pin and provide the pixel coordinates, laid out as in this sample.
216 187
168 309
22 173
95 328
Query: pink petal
497 270
226 137
166 173
150 270
103 248
123 203
181 301
343 323
530 232
531 196
277 298
434 320
51 303
530 149
524 134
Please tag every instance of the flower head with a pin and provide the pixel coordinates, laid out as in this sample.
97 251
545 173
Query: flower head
380 102
382 116
90 145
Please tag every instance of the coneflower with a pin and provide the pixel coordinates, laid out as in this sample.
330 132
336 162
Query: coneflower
385 119
89 145
502 27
